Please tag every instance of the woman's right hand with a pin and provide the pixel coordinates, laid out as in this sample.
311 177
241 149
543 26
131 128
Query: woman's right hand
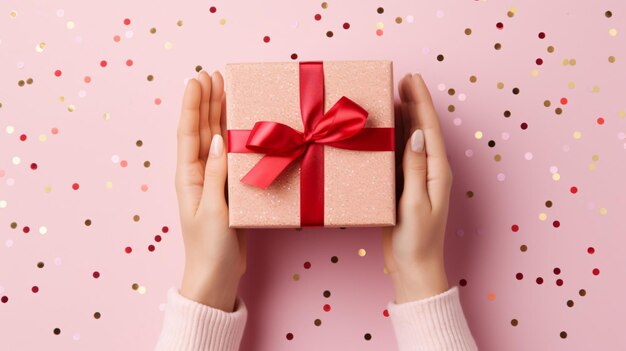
215 255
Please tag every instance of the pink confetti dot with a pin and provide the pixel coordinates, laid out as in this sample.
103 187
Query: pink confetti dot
57 73
266 39
127 21
116 38
124 163
144 188
103 63
87 79
129 62
75 186
54 131
128 249
157 101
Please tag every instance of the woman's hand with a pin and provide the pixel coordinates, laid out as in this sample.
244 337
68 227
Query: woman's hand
413 249
215 255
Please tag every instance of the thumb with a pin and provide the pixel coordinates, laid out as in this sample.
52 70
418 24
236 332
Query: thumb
215 176
415 170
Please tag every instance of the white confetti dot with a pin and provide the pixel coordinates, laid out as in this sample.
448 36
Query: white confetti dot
10 129
10 181
469 153
8 243
501 177
3 203
441 87
16 160
505 136
554 169
19 64
60 13
462 97
57 261
425 51
76 337
115 158
439 14
410 19
43 230
70 25
82 94
457 121
528 156
129 34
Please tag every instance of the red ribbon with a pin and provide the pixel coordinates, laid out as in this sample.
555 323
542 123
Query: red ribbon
341 127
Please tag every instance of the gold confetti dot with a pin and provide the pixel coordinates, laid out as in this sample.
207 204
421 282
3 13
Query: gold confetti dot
572 62
179 23
612 59
558 110
168 45
43 137
222 21
556 177
324 5
139 143
577 135
398 20
13 14
61 98
109 184
603 211
150 78
612 32
40 47
468 31
361 252
500 85
473 79
296 277
497 157
29 81
565 62
152 30
595 158
385 270
21 83
534 72
543 216
550 49
596 89
478 135
622 114
497 46
510 14
571 85
47 189
591 167
136 218
547 103
71 108
70 25
106 116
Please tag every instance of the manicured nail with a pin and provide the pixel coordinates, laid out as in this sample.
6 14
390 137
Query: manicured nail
417 141
217 146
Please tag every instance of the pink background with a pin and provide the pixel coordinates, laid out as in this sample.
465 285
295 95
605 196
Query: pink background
540 163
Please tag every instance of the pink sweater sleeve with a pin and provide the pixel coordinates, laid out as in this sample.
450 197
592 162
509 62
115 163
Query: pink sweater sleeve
192 326
434 323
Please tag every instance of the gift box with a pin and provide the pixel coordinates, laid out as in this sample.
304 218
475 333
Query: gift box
310 144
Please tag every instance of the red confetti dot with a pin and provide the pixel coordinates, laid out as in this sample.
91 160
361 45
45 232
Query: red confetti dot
26 230
75 186
557 270
541 35
157 238
563 101
573 190
157 101
289 336
318 17
128 249
103 63
379 32
116 38
346 25
150 247
385 313
165 229
129 62
462 282
294 56
539 280
54 131
34 289
596 271
515 227
600 120
539 61
556 224
126 21
591 250
524 126
519 276
33 166
23 137
307 265
212 9
499 25
266 39
87 79
57 73
326 307
124 163
559 282
4 299
96 274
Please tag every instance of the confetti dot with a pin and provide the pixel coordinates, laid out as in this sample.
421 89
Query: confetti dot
478 135
97 315
528 156
289 336
296 277
600 121
326 307
157 101
497 46
168 45
70 25
499 25
514 322
468 31
329 34
96 274
380 10
346 25
440 58
317 322
317 17
129 62
4 299
103 63
266 39
367 336
128 249
570 303
307 265
462 282
582 292
473 79
515 228
519 276
612 32
541 35
539 280
117 38
361 252
591 250
491 296
212 9
56 331
563 335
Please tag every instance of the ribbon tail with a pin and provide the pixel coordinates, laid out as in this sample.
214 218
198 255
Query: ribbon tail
267 170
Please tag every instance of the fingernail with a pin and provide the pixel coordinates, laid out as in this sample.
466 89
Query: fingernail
217 146
417 141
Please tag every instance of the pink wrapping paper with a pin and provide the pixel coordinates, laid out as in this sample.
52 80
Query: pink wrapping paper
359 185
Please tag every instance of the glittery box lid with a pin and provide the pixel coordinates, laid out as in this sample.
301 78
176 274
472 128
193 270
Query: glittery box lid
359 185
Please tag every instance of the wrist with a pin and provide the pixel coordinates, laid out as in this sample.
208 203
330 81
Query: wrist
210 286
422 278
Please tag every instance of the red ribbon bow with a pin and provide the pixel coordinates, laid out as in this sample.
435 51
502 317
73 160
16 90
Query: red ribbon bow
341 127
